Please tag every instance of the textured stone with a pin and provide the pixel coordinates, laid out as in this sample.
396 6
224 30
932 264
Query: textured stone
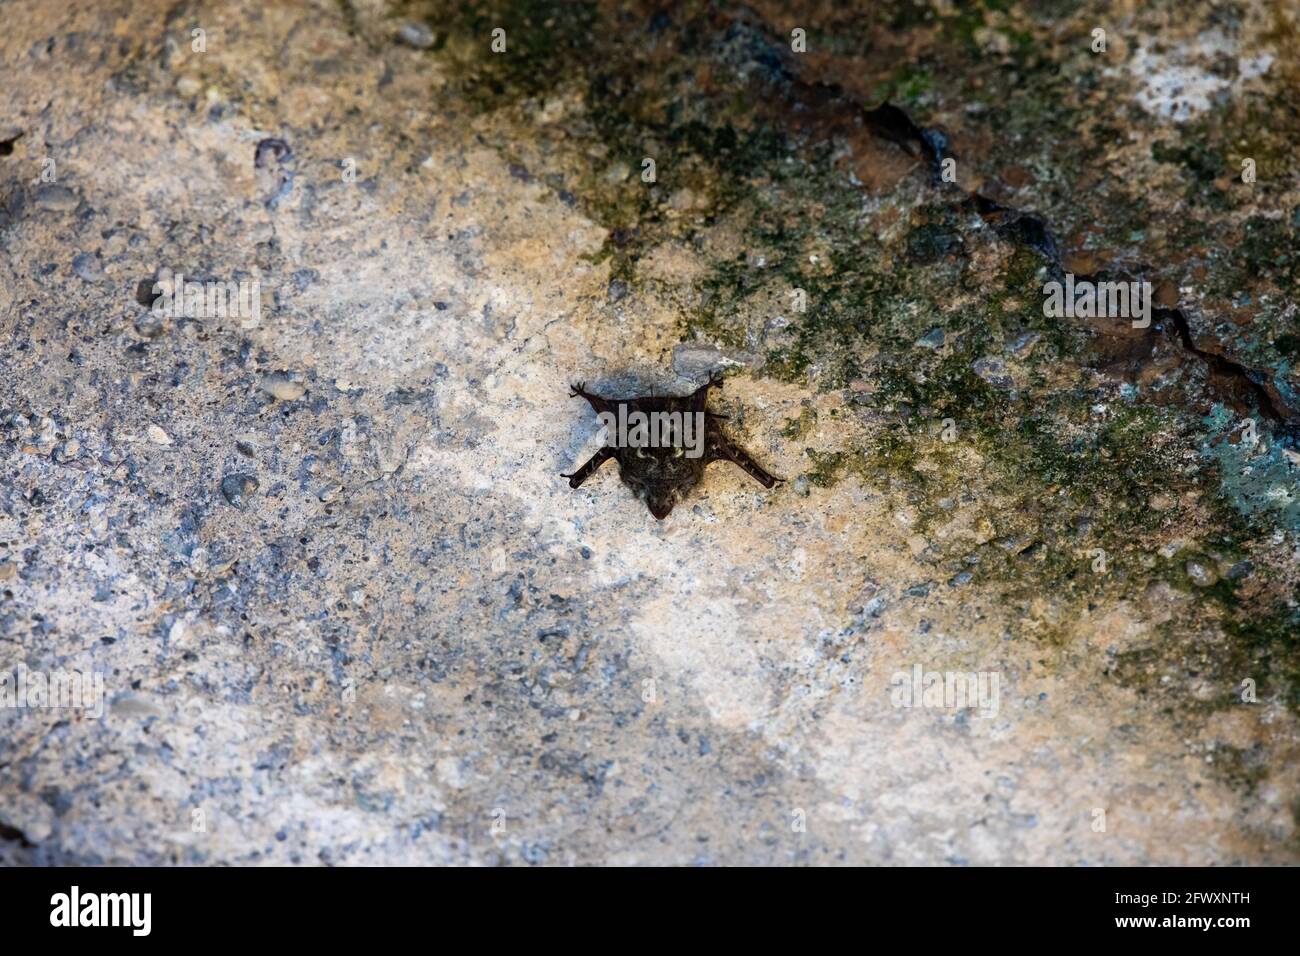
409 641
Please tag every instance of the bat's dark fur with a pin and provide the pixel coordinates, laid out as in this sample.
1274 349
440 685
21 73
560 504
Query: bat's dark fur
662 476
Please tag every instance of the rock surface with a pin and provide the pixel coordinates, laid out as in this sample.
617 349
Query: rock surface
316 542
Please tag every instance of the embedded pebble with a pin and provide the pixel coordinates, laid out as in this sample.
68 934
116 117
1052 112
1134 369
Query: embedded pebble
994 371
86 266
238 487
1201 575
1024 345
55 198
416 35
150 325
932 339
284 386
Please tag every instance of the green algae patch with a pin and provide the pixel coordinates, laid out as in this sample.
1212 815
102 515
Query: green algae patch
543 40
796 428
827 467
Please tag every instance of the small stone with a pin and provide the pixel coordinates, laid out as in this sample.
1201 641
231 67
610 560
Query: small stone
1022 346
149 325
19 424
284 386
54 198
617 172
932 339
237 488
875 607
158 436
994 371
697 361
87 267
1241 570
47 433
776 323
416 35
683 199
1201 575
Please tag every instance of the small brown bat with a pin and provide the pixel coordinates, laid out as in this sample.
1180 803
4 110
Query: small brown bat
663 444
